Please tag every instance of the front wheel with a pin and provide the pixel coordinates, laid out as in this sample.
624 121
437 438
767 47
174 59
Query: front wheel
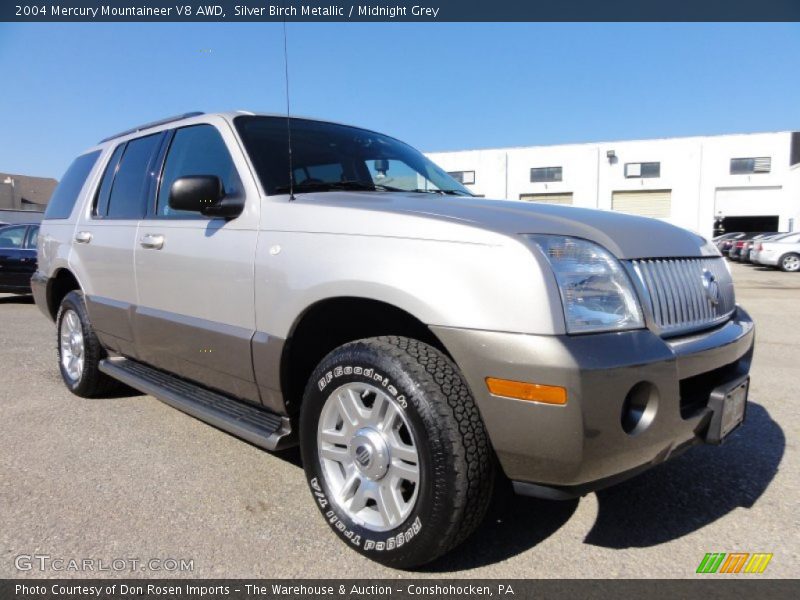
790 263
395 450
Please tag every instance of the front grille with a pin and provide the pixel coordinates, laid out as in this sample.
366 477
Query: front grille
678 292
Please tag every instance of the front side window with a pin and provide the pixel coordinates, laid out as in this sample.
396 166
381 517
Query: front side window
327 156
196 150
130 186
12 237
66 193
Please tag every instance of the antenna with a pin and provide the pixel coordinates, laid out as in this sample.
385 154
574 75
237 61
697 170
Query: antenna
288 112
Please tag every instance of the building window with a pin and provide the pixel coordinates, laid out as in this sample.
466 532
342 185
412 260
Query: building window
642 170
546 174
464 177
747 166
794 158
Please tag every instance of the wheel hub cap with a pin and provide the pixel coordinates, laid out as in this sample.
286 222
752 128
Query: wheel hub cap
71 345
370 454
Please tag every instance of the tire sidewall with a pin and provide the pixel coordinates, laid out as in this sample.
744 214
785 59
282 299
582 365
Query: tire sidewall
417 534
73 301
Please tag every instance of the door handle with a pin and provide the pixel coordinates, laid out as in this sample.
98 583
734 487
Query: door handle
83 237
152 241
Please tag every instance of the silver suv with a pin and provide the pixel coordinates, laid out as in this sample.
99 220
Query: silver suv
350 297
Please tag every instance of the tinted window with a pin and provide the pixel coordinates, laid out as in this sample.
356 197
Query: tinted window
12 237
197 150
66 192
129 190
746 166
643 170
104 193
33 235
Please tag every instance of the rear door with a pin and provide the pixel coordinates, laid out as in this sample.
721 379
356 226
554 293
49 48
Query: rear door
194 274
28 254
105 237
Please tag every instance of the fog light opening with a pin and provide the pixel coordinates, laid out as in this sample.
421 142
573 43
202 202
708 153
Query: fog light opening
639 408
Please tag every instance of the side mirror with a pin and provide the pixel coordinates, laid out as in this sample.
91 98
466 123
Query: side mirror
204 194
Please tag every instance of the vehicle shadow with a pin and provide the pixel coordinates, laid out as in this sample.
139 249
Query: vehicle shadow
16 299
693 490
513 524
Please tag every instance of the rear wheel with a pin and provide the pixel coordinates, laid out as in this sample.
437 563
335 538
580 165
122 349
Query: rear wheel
790 263
79 350
395 451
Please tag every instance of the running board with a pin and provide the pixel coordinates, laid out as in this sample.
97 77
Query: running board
256 425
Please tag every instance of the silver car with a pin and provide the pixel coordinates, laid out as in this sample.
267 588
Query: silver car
350 297
782 252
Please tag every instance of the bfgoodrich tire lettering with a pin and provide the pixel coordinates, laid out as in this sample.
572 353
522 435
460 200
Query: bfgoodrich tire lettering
455 461
87 380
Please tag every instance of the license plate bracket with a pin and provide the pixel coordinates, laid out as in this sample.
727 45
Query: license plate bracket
729 406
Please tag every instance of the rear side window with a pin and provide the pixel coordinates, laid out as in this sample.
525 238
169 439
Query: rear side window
66 193
130 186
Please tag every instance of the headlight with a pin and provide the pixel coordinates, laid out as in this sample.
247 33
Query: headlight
596 293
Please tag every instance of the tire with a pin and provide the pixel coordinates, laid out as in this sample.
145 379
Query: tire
790 262
83 378
435 415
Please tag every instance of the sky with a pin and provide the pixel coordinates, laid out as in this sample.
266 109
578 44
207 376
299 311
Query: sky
436 86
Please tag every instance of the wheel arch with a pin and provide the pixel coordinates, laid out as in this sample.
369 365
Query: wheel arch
332 322
61 283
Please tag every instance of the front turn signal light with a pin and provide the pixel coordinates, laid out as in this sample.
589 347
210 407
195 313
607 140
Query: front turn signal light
533 392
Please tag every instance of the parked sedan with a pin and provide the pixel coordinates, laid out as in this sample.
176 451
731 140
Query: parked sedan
17 257
741 247
783 253
725 242
755 249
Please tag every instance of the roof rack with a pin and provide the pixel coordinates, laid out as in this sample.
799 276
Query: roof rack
153 124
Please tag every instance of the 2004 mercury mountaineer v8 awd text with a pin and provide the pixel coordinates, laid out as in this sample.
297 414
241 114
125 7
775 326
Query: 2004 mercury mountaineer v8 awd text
352 298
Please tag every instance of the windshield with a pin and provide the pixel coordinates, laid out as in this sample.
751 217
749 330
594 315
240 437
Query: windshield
327 156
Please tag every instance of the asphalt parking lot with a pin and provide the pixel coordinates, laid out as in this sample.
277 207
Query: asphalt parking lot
130 477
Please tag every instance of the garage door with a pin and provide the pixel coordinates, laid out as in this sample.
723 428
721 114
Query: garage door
746 202
548 198
654 203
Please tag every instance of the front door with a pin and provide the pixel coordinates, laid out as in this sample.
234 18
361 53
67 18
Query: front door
12 242
196 314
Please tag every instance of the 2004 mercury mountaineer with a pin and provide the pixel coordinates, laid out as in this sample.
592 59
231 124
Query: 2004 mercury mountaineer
353 298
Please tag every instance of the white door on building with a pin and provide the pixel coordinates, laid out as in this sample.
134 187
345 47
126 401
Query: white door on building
748 201
646 203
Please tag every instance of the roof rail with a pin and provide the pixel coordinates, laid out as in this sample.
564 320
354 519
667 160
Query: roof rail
153 124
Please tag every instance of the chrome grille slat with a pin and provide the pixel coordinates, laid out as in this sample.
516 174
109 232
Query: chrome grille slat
673 289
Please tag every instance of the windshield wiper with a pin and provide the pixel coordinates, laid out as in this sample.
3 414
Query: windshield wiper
324 186
445 192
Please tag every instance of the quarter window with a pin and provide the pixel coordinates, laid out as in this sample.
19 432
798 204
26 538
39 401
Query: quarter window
196 150
66 193
131 184
546 174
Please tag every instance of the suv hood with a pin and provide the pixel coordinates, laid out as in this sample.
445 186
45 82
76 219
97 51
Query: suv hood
626 236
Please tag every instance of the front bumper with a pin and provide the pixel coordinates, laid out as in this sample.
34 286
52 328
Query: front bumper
563 451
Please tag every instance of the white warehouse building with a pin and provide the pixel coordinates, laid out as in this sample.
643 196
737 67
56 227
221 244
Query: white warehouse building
747 182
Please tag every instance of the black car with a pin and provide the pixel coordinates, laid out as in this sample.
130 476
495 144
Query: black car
17 257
